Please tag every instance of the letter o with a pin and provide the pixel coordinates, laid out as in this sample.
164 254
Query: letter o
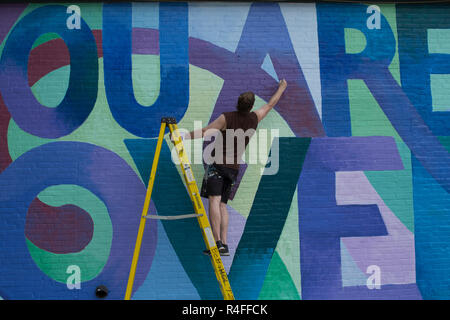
81 93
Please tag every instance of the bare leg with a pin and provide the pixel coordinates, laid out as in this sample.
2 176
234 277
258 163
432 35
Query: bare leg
215 215
223 222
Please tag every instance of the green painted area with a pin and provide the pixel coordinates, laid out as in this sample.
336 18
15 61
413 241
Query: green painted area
445 141
355 41
394 186
278 284
45 38
94 256
440 92
50 91
389 12
145 75
438 40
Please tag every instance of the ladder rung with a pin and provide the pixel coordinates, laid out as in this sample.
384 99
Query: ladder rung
176 217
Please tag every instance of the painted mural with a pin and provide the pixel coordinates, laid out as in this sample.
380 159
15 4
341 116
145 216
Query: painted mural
360 205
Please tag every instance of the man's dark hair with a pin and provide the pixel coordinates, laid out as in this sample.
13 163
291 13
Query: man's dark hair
245 101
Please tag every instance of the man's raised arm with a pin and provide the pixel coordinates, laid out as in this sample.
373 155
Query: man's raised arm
264 110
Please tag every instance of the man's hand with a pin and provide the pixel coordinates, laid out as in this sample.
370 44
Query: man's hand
264 110
282 84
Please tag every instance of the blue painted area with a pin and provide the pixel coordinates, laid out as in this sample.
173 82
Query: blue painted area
431 234
212 23
145 15
167 280
173 97
268 67
336 66
418 63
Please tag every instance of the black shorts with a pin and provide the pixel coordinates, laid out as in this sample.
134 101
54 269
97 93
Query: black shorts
218 181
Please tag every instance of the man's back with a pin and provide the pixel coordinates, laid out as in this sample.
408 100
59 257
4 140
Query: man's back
240 126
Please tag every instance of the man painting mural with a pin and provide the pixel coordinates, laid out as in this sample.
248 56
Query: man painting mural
234 129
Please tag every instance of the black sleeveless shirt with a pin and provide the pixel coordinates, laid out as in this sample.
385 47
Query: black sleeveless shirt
240 126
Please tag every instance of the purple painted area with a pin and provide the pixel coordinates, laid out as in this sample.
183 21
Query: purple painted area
8 16
386 292
393 253
145 41
356 154
323 222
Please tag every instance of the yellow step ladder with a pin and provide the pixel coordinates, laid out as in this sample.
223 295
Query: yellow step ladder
200 212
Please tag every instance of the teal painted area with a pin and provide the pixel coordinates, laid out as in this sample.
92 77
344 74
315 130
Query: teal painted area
440 91
51 90
432 235
439 41
278 284
445 141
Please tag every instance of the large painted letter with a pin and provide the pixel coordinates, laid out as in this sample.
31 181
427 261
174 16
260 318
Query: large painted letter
174 71
83 82
322 222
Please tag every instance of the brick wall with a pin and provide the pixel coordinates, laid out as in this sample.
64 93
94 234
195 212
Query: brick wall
358 208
